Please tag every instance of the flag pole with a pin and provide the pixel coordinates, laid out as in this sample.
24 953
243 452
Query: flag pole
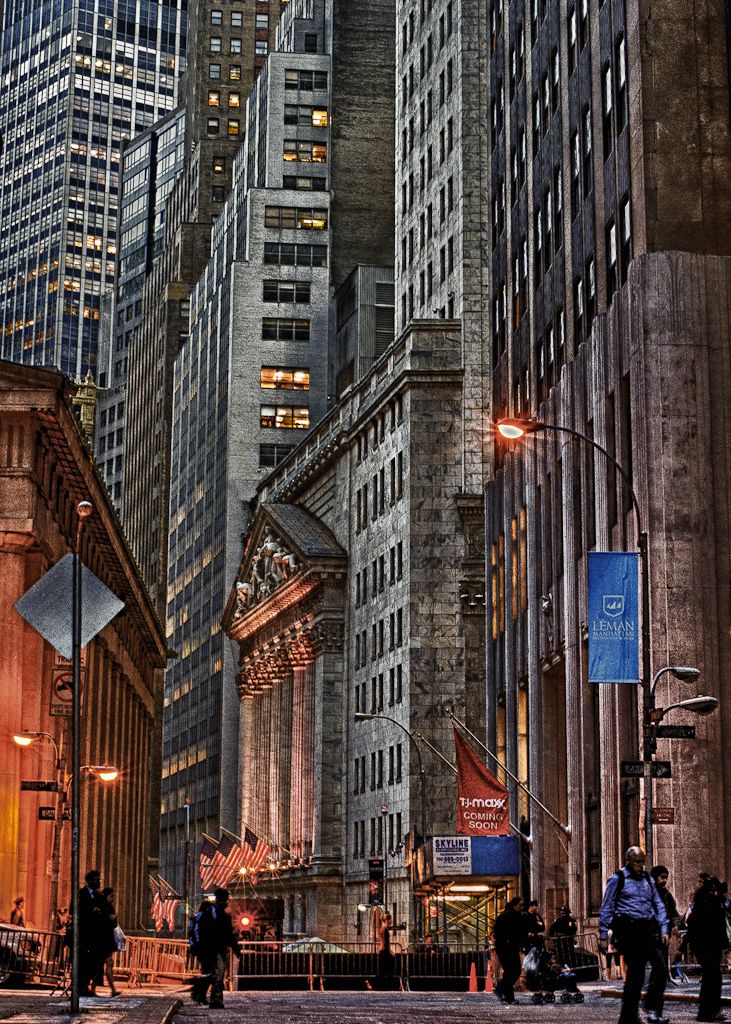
270 842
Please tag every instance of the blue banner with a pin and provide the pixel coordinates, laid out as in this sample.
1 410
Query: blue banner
614 622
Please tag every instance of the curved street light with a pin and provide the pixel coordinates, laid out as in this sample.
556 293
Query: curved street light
513 429
363 716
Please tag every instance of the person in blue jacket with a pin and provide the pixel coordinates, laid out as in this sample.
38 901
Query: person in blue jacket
634 912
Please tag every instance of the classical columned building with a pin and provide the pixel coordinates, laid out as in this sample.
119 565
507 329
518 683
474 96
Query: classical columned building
288 620
45 471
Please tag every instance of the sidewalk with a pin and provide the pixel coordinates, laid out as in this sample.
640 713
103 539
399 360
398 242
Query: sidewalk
33 1006
673 993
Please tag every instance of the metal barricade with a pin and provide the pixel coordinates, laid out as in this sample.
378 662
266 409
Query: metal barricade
316 965
580 953
444 967
31 955
152 960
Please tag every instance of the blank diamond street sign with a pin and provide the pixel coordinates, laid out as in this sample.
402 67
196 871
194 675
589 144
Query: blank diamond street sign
47 606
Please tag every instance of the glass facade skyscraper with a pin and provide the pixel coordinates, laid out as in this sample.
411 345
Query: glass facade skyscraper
76 78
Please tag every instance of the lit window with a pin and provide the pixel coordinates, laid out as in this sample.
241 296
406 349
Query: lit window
214 98
218 165
285 378
305 151
234 99
319 118
285 417
234 72
233 126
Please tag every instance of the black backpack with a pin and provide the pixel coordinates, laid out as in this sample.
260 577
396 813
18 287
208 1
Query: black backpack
198 927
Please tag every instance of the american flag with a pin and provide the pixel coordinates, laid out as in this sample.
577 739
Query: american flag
165 902
206 864
228 860
256 852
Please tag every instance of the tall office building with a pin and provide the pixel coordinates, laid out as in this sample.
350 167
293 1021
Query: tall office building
258 366
609 161
151 165
76 79
228 45
590 320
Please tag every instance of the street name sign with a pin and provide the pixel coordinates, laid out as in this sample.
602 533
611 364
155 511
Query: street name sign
676 732
663 815
636 770
38 786
46 813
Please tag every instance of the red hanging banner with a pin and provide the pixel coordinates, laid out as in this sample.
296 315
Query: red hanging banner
483 808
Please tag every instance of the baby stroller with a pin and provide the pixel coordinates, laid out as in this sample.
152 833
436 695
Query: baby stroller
544 976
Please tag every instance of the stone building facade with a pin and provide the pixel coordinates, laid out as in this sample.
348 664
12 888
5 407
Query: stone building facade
609 159
348 600
45 470
255 372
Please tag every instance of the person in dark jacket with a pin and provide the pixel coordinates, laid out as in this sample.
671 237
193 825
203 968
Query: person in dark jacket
92 914
509 936
707 939
535 927
217 936
107 942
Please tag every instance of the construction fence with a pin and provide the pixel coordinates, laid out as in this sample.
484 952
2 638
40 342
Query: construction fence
41 957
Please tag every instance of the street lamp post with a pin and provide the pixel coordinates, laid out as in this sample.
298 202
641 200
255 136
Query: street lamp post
362 716
513 430
83 509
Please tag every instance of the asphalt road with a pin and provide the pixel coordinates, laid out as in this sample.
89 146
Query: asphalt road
404 1008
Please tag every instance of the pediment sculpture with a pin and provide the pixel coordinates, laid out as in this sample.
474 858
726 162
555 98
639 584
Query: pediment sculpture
272 565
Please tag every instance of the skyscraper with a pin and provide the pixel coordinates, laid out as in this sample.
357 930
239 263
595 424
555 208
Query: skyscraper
256 370
229 43
77 79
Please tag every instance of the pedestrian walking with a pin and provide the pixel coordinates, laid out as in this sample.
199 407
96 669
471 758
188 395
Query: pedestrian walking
660 876
535 927
91 930
707 937
386 960
509 936
108 942
17 914
634 912
215 936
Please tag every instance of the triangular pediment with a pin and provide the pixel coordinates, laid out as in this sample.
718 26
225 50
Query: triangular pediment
287 551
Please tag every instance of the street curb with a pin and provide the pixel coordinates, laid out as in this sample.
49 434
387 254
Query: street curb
669 997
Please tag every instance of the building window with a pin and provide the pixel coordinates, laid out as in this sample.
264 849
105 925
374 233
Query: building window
262 22
295 217
234 99
621 66
625 227
611 252
285 417
607 97
218 194
216 44
233 126
234 72
286 291
305 151
286 254
261 48
285 329
212 126
302 182
271 455
305 81
219 165
234 45
237 19
216 17
284 378
214 98
214 71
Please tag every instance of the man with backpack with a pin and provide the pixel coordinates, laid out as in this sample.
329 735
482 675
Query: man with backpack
635 913
210 937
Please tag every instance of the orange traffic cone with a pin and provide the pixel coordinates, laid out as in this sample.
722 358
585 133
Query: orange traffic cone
489 986
473 978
